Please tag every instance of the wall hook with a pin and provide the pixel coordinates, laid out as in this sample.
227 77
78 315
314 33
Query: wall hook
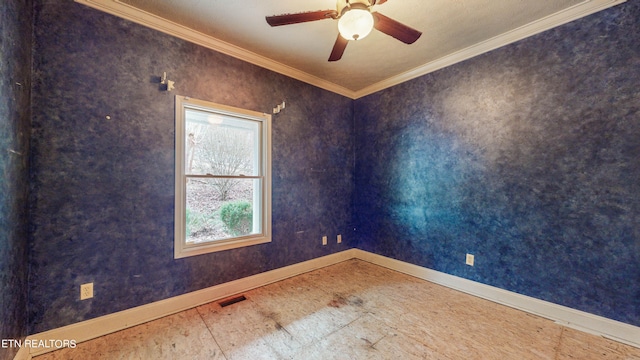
279 107
166 84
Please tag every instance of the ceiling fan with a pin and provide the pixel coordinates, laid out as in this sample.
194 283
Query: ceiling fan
355 21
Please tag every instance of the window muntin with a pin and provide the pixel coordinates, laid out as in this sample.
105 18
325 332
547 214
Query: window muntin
223 183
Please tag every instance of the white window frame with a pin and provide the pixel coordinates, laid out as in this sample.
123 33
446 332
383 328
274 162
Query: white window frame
181 248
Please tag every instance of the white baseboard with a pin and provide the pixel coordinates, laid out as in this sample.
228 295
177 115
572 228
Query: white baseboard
579 320
22 354
103 325
93 328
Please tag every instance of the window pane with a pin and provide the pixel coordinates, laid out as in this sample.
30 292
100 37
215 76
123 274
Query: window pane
220 209
219 144
223 177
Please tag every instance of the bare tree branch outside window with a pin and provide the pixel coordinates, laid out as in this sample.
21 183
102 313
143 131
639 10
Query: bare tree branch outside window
219 150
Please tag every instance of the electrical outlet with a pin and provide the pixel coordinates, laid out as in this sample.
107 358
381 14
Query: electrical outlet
339 239
324 240
470 259
86 291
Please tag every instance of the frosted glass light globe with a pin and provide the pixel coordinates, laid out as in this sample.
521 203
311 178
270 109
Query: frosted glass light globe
355 24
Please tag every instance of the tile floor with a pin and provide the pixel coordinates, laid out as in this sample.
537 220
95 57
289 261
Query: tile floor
351 310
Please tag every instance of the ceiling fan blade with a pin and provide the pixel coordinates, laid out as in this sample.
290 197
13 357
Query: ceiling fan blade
395 29
338 48
287 19
380 2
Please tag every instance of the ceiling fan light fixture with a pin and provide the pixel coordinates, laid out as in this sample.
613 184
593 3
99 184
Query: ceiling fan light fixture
355 24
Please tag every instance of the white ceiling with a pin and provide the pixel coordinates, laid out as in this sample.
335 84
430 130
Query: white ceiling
453 30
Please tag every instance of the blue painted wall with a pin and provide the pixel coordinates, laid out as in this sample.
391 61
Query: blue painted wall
102 189
15 116
527 157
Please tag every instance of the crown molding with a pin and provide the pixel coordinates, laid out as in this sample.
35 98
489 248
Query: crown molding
119 9
572 13
128 12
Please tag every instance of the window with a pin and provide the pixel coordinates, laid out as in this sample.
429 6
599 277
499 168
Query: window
223 177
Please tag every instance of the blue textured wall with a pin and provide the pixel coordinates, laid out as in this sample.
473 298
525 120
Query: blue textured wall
15 116
527 157
102 189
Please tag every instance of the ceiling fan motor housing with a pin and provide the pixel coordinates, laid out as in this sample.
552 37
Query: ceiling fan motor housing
355 21
345 5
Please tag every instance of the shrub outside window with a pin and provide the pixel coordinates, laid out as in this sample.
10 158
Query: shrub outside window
223 177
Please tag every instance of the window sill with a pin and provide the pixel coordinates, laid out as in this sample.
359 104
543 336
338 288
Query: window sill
219 245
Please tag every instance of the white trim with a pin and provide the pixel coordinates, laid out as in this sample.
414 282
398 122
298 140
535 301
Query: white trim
93 328
117 8
181 249
579 320
572 13
103 325
23 354
128 12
